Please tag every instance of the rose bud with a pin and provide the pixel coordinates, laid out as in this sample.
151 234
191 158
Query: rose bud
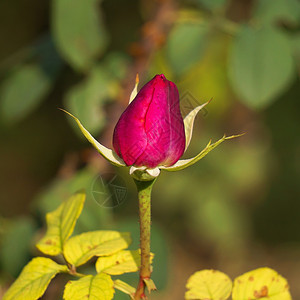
151 135
150 132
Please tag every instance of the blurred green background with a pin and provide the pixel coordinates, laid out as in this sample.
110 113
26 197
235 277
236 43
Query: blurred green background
236 210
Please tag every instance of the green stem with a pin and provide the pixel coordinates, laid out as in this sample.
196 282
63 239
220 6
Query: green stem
144 194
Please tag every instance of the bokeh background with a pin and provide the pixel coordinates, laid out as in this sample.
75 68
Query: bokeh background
236 210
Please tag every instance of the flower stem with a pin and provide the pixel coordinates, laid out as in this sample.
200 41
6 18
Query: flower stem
144 194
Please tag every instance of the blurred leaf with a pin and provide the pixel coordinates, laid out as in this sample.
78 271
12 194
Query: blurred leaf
86 100
99 287
212 4
79 31
186 45
263 283
208 78
221 219
28 83
296 49
63 188
209 284
228 167
34 279
79 249
22 91
215 217
60 225
122 262
160 64
270 11
117 63
261 65
93 215
15 249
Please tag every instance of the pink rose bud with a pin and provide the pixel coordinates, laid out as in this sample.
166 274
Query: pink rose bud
150 132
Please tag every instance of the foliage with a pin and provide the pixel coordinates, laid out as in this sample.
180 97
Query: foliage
79 31
256 50
16 244
60 225
109 247
260 283
77 250
208 284
81 41
27 83
246 55
193 34
263 283
34 279
99 286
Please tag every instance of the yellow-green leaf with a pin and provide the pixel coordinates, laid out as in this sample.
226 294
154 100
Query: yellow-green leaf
79 249
124 287
208 285
262 283
122 262
34 279
60 225
90 288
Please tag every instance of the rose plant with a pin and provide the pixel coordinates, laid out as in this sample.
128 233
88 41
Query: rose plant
150 136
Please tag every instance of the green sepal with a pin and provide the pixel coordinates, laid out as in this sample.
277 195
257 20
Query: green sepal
184 163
